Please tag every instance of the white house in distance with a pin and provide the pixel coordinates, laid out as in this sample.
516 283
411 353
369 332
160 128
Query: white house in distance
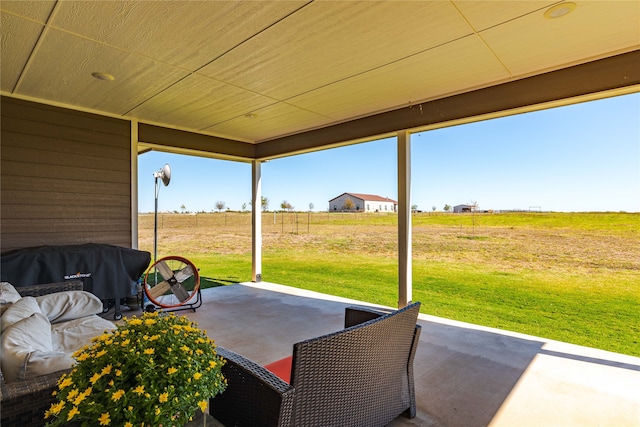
362 203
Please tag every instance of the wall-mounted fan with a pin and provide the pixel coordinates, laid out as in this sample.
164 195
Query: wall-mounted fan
172 282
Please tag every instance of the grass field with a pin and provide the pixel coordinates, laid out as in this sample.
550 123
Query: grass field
572 277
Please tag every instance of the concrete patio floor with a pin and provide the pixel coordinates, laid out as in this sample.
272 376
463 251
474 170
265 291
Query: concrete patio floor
465 375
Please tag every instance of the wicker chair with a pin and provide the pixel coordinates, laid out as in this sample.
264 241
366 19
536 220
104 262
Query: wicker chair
360 376
24 402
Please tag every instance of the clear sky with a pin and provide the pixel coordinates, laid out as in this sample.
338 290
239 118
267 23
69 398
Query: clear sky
584 157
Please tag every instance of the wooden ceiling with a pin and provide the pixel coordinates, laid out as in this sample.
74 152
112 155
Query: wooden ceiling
262 79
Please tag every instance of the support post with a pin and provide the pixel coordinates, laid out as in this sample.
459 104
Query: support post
404 220
256 222
134 184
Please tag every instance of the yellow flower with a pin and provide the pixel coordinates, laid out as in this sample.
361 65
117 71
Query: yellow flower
203 405
171 371
56 408
150 322
197 375
164 397
149 351
106 370
128 424
157 411
103 337
104 419
212 363
118 372
135 322
117 395
72 413
79 399
72 394
95 378
101 353
66 381
139 389
82 357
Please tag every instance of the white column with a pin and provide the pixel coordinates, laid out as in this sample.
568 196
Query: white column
404 220
256 222
134 184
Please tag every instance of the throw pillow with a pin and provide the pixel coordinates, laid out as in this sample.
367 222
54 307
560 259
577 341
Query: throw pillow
27 351
68 305
19 310
8 295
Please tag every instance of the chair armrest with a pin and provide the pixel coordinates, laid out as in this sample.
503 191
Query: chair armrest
357 315
49 288
25 402
254 396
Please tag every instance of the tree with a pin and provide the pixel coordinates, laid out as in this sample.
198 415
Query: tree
264 203
286 206
433 208
310 206
447 208
348 204
244 207
183 208
414 208
219 205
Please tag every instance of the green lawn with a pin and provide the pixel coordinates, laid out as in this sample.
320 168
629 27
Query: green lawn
568 277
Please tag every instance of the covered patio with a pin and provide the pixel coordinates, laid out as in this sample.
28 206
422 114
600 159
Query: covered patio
88 86
465 375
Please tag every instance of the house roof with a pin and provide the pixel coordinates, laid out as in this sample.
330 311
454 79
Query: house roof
259 80
367 197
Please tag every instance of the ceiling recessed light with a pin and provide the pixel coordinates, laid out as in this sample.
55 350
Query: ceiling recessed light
103 76
560 10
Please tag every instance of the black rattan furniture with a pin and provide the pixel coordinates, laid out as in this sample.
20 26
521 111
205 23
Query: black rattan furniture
360 376
24 402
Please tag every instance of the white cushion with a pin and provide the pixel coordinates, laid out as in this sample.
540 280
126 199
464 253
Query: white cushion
67 305
19 310
8 295
27 350
74 334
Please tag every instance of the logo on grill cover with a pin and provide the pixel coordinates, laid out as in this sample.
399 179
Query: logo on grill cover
77 275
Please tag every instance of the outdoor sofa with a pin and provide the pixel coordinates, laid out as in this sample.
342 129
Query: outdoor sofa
359 376
31 366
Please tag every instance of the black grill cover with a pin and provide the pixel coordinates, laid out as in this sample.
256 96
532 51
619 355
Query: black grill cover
107 271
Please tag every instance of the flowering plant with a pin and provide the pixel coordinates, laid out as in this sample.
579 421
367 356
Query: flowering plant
153 370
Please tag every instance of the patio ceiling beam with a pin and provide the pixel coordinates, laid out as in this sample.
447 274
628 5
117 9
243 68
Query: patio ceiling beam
185 142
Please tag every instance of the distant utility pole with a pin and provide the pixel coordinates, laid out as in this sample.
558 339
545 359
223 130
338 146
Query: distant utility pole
474 206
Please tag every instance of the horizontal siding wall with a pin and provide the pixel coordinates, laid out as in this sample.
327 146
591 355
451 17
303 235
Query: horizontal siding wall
66 177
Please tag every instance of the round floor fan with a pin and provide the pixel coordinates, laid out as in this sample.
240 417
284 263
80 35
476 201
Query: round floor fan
171 282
